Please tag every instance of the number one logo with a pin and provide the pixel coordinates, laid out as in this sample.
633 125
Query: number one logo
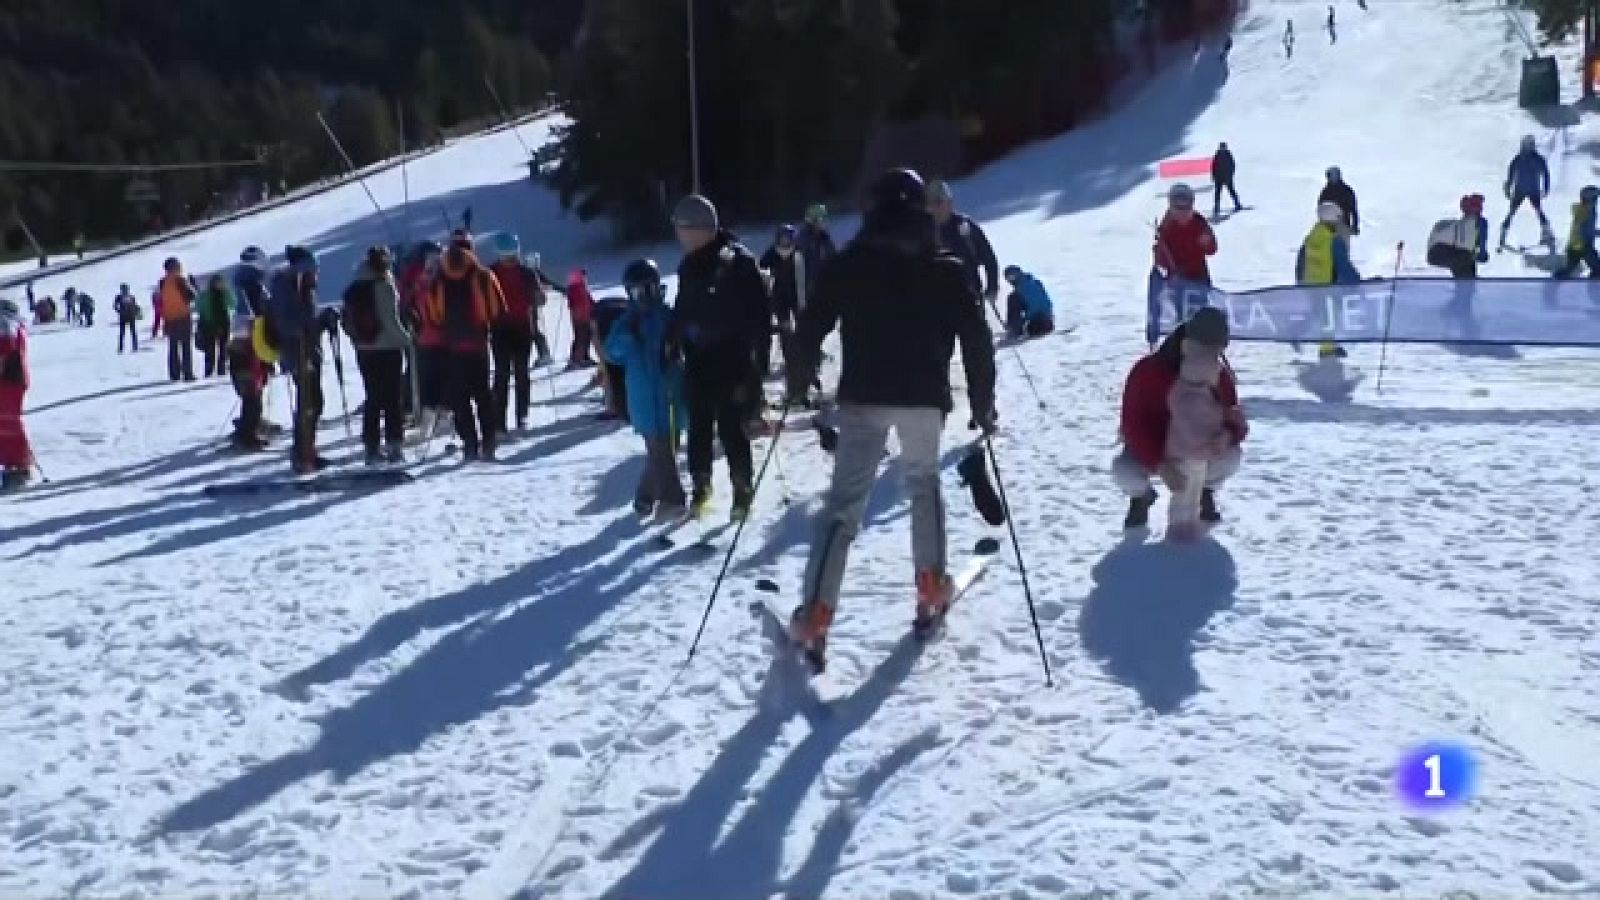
1434 765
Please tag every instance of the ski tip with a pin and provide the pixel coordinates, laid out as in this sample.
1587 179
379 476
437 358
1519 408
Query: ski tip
987 546
767 585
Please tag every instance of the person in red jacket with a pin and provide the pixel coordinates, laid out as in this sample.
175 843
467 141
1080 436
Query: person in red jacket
1184 239
1146 415
429 357
512 335
580 303
16 454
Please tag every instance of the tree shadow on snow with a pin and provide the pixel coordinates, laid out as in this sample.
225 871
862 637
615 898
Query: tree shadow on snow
1310 411
688 861
1148 603
481 666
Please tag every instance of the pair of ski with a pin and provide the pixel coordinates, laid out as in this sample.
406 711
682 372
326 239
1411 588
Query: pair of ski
808 668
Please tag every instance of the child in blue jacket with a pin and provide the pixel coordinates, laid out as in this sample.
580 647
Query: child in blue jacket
1028 308
657 407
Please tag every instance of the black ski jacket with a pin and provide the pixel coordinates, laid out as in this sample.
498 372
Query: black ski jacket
1343 196
900 307
1222 167
722 310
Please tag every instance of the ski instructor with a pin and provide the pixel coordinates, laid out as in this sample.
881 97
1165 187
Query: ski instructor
900 306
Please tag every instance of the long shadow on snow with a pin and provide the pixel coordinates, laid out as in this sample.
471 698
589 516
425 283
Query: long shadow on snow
1098 163
687 861
477 668
118 391
1312 411
615 489
1148 603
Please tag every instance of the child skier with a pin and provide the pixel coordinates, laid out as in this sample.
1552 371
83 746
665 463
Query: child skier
16 454
1528 178
1028 308
512 337
1324 259
1580 240
580 304
656 402
250 363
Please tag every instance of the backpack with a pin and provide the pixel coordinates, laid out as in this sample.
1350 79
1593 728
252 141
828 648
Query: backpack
361 312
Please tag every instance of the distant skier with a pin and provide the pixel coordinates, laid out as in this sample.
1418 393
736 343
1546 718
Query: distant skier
1183 240
466 220
815 243
1288 39
1029 312
126 306
964 237
896 377
639 343
69 299
1528 178
86 310
1147 416
177 318
216 313
1580 240
16 454
1222 173
1333 29
1338 192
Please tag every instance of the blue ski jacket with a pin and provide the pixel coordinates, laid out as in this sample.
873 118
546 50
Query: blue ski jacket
657 406
1035 299
1528 175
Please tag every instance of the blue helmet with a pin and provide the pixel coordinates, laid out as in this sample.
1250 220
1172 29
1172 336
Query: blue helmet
505 245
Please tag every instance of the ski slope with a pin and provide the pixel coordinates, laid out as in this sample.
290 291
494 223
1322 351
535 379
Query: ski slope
474 685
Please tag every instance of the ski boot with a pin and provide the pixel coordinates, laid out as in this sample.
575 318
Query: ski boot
643 507
701 500
1208 507
935 591
15 479
808 628
373 458
1139 510
490 452
743 497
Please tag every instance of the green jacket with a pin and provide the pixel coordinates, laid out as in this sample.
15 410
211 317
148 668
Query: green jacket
216 308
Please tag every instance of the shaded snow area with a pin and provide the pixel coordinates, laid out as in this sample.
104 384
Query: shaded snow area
471 685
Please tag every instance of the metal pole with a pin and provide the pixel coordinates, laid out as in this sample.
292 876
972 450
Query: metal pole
694 107
387 225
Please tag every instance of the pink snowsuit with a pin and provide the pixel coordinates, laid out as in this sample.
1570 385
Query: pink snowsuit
1197 433
15 452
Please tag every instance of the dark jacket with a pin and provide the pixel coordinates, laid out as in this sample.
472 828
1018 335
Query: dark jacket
1528 175
722 310
1222 166
900 307
816 245
787 287
965 238
1343 196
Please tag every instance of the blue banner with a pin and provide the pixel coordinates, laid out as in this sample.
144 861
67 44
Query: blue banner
1527 311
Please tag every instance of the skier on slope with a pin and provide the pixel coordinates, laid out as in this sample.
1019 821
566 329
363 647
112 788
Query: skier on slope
463 302
580 309
176 312
1581 237
722 311
638 343
249 358
541 344
512 335
126 306
613 377
962 236
1029 311
216 313
1324 259
1183 240
1146 415
1339 192
1223 168
295 329
16 454
787 281
1528 178
815 243
900 306
371 317
430 358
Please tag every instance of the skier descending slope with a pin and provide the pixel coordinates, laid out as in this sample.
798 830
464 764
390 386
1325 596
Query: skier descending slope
16 454
900 306
637 343
721 314
1528 178
1147 415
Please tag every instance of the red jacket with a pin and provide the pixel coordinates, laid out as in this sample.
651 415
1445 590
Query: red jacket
1182 246
15 452
579 301
1144 404
524 294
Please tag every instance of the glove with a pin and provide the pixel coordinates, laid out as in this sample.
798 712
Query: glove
328 319
986 420
1174 479
1483 256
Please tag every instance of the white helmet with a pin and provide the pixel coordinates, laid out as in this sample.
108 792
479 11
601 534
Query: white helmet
1330 214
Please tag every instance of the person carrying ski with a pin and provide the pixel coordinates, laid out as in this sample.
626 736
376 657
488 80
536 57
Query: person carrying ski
639 343
1146 416
371 317
1528 179
177 318
787 280
965 238
296 330
1324 259
1222 172
216 314
16 454
900 305
815 244
126 306
1580 239
721 313
1029 311
511 338
464 301
580 307
1461 244
1338 192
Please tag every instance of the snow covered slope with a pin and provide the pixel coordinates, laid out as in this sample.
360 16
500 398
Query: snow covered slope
472 685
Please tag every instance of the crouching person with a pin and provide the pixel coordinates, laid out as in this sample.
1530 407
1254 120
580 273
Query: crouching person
1029 311
1157 388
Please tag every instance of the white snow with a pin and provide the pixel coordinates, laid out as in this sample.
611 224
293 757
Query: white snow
471 685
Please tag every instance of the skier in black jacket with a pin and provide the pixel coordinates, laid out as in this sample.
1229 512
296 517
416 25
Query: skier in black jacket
1222 171
900 306
1337 192
788 280
721 315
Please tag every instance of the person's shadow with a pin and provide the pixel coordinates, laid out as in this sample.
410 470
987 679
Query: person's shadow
1148 603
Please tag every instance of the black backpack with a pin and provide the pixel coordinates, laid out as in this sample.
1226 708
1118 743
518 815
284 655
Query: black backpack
361 312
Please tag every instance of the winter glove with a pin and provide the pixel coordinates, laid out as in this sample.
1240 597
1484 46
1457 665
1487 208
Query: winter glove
985 420
1483 255
974 472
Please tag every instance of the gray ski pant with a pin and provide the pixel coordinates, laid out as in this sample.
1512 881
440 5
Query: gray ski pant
659 482
863 435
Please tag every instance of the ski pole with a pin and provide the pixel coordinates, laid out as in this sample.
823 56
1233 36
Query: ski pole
34 458
733 545
1020 363
1022 568
550 379
1388 315
338 370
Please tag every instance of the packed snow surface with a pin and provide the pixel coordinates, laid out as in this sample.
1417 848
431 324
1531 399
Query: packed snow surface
474 685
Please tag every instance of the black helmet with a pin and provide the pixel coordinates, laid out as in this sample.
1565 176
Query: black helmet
642 278
899 190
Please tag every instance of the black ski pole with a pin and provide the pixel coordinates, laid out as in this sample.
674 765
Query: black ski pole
338 371
1022 568
727 558
43 478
